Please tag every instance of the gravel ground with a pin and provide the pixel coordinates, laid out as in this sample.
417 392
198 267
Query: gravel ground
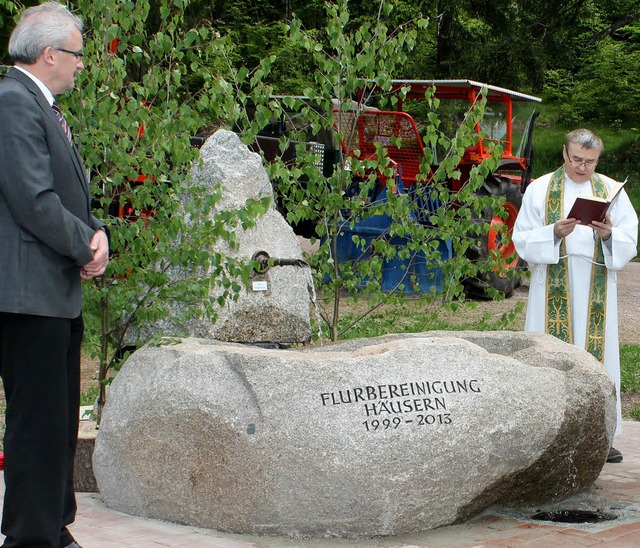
629 303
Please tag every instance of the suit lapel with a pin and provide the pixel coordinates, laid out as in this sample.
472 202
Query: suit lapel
71 148
49 112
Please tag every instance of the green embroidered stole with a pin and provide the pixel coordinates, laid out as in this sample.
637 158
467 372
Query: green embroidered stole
558 314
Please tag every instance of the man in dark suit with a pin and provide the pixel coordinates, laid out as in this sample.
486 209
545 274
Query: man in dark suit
49 241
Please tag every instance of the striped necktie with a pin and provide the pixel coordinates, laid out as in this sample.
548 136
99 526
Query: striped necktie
62 122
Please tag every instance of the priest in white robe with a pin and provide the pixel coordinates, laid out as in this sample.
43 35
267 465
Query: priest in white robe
573 293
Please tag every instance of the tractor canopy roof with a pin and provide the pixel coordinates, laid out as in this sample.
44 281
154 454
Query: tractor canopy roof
460 89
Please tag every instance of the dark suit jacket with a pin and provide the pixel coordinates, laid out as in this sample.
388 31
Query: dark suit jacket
46 224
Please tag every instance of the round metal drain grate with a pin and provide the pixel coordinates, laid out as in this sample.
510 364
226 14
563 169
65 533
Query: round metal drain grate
574 516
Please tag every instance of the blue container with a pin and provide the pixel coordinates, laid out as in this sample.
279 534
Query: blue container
429 278
396 271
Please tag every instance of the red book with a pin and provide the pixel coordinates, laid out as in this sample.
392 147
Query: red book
591 208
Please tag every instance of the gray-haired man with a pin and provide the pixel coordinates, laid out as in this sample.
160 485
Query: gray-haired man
49 241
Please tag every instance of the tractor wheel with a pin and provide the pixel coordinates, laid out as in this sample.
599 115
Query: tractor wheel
476 288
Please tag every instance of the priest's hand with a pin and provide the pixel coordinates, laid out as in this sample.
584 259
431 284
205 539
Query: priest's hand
602 229
564 227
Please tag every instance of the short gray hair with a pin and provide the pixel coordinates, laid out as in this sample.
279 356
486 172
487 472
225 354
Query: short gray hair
584 138
49 24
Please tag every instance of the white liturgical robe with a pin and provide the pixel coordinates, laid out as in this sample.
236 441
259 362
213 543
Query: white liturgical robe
538 246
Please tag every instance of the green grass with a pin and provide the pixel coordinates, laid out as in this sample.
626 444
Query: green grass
634 414
416 316
89 396
630 375
630 367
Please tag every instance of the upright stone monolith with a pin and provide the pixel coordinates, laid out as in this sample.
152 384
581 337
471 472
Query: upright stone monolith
275 306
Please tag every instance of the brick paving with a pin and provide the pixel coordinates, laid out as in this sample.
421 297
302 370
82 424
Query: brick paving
619 484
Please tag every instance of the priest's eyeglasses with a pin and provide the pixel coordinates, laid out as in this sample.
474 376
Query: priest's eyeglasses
577 162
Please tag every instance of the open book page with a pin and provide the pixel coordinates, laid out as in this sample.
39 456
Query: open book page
615 190
592 208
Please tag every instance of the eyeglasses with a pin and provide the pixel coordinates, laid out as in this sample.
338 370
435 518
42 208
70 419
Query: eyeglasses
577 162
76 54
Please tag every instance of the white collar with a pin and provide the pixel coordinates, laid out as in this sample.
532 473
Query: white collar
44 89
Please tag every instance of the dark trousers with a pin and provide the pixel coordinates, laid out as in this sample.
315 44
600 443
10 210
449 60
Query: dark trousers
40 368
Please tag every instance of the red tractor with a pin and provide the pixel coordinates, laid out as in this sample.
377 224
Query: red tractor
508 121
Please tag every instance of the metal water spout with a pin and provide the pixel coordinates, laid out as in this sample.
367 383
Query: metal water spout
265 261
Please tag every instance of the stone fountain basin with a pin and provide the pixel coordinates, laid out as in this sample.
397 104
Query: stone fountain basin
364 438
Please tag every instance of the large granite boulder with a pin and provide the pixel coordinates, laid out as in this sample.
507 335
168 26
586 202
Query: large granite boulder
370 437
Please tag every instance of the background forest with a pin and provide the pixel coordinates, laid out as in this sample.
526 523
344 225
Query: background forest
580 55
